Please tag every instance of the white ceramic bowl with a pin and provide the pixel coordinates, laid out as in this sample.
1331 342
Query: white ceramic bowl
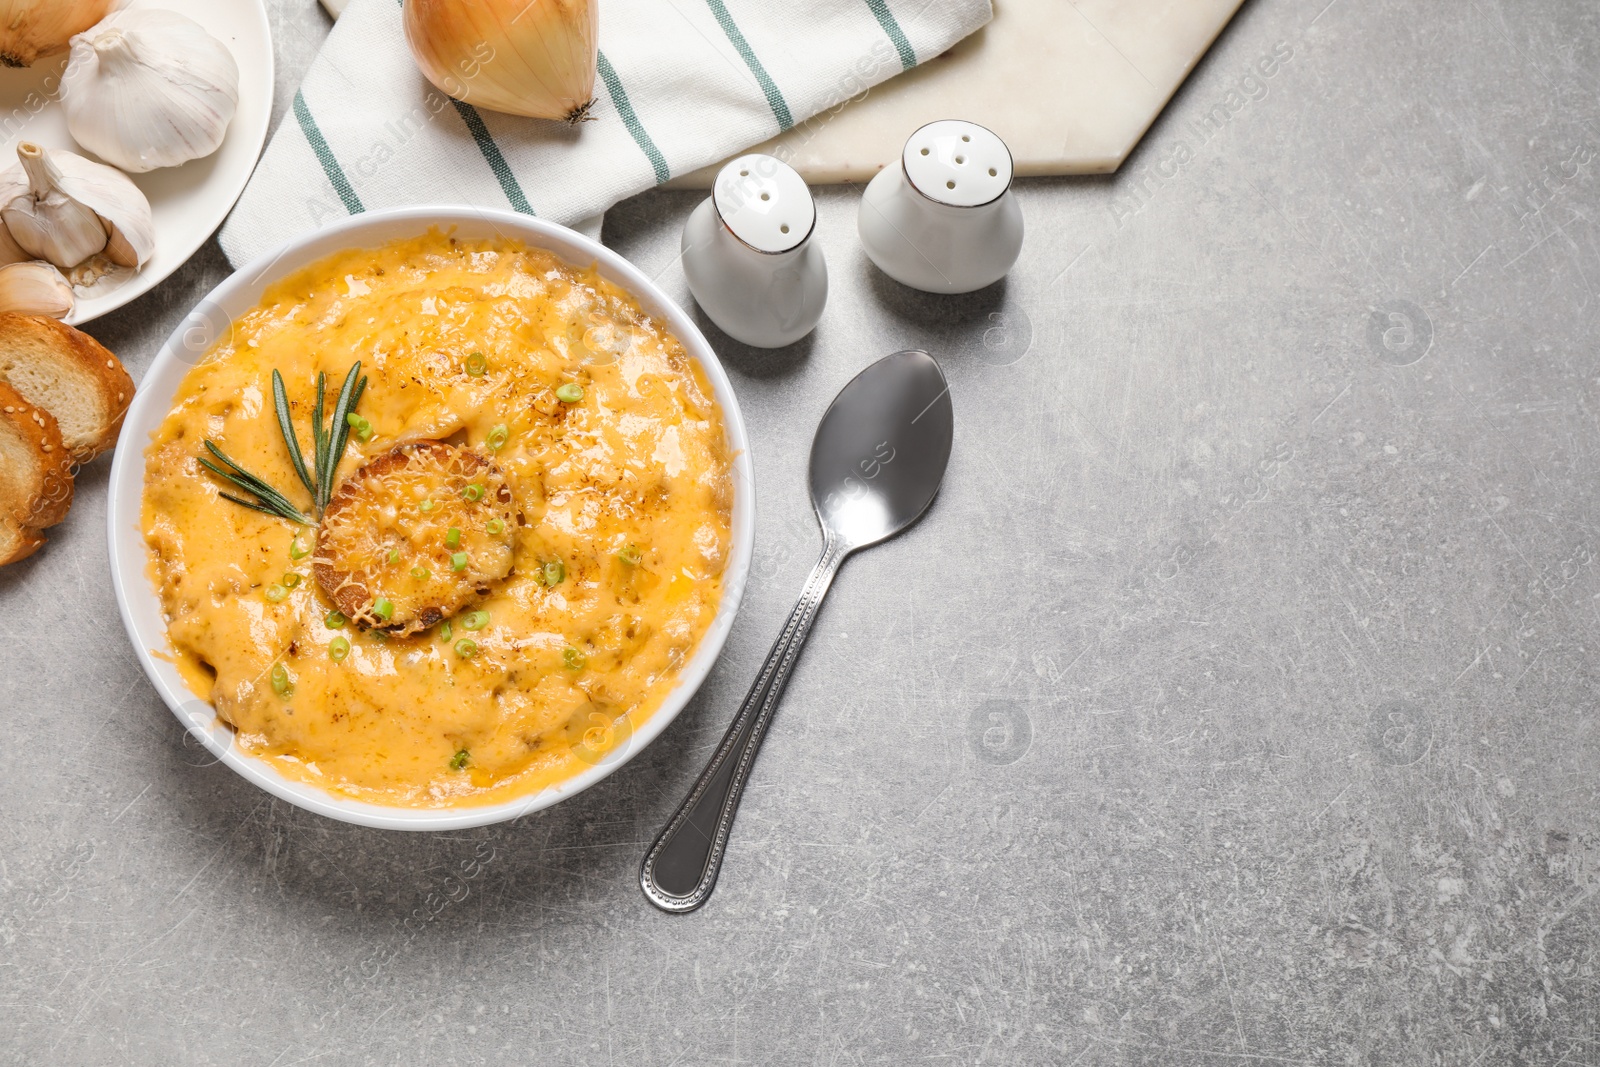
141 608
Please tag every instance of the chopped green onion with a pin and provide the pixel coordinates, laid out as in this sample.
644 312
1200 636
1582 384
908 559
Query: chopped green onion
378 635
473 492
282 684
298 551
459 760
452 537
383 609
393 556
291 580
631 555
573 659
426 506
477 620
554 572
361 426
445 631
338 649
334 620
458 561
496 527
419 573
477 364
570 393
275 593
498 437
466 649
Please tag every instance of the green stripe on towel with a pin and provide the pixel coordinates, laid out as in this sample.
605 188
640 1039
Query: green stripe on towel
330 165
619 99
780 106
885 17
491 153
492 156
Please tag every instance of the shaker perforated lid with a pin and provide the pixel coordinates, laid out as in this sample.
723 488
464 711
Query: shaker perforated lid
956 162
764 203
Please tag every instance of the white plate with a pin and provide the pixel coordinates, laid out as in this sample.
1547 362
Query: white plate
195 335
190 201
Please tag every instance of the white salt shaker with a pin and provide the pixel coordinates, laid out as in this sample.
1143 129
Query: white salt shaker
748 255
945 220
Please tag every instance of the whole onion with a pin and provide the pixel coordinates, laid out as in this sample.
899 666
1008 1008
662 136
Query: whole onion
33 28
523 57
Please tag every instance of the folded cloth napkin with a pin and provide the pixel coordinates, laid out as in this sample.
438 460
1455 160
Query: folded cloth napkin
682 84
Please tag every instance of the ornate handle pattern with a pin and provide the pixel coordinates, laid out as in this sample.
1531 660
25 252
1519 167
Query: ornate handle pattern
681 868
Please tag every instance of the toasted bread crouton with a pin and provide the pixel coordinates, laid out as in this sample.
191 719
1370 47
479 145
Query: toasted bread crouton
70 375
35 469
415 535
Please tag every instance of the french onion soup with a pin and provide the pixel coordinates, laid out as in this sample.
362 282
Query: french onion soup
439 523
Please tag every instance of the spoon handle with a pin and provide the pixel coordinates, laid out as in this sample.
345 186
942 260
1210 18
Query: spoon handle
681 868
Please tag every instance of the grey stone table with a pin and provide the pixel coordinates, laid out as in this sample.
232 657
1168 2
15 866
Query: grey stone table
1233 704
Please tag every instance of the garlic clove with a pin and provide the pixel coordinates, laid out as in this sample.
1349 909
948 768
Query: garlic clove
61 207
35 288
33 28
149 88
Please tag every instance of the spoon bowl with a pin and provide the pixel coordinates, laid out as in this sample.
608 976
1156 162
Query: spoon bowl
881 450
877 461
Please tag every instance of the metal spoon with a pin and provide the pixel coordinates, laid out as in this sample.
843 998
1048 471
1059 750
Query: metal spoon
876 463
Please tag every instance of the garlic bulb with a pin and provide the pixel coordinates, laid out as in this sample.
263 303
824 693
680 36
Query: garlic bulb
10 251
149 88
33 28
64 208
525 57
35 288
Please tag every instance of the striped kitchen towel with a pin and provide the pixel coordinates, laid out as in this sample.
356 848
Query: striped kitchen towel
682 84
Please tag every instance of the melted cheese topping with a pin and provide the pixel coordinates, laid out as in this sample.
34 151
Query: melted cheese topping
638 469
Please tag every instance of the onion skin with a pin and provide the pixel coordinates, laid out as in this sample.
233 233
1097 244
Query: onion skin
522 57
33 28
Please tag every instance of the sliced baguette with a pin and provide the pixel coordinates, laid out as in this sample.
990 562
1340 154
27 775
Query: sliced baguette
70 375
35 467
17 542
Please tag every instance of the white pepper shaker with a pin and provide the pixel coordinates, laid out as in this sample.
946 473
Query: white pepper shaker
945 220
748 255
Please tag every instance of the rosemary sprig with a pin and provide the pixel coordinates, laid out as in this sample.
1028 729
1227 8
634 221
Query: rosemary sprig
280 404
327 443
252 507
337 434
267 499
318 438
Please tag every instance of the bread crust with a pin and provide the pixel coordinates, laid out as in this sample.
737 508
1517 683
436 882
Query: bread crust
36 478
35 349
16 542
